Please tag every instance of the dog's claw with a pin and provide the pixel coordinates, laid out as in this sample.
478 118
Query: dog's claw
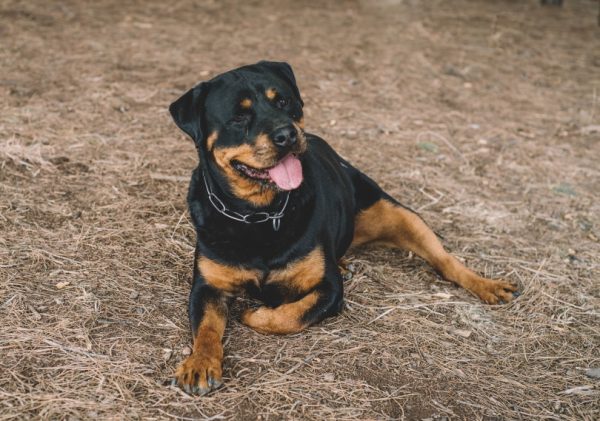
199 374
214 383
516 294
198 390
346 269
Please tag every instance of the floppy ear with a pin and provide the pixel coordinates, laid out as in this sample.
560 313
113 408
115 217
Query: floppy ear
187 111
284 71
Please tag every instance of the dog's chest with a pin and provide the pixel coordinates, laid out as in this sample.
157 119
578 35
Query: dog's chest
272 284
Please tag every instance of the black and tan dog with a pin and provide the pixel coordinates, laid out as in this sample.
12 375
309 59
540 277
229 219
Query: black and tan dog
275 209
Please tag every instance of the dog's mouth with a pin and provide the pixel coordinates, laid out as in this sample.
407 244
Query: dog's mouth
286 174
251 172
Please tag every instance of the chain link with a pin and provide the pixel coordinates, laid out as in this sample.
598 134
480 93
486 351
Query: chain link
250 218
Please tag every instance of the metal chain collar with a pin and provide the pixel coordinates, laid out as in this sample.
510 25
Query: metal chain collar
249 218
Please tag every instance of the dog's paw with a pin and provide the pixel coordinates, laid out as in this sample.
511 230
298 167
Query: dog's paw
495 292
281 320
258 319
199 374
346 268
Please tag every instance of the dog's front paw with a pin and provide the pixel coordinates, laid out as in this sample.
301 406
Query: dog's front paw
199 374
495 292
287 318
258 319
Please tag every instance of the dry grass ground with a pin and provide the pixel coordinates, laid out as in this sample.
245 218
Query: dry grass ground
485 116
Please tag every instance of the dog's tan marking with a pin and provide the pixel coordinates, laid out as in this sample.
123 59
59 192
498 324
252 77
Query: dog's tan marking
211 139
264 146
202 369
271 93
302 143
246 103
260 155
300 123
224 277
303 274
395 226
287 318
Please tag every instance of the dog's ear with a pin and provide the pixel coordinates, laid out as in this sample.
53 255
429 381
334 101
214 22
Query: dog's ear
188 110
284 71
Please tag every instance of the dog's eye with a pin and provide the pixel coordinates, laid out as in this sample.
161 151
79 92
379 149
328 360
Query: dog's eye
282 102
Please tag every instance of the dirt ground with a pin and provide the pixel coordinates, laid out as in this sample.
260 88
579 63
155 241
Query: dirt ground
483 116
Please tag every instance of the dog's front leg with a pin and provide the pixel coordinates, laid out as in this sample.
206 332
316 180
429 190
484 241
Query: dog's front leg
201 371
324 300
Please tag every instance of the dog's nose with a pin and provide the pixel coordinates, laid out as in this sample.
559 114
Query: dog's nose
285 136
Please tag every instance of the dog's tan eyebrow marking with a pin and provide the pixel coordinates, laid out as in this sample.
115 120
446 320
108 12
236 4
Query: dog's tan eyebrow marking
246 103
271 93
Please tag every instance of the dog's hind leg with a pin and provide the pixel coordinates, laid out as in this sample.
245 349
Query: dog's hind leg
388 223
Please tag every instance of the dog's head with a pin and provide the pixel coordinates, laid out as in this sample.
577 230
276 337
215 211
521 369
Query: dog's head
248 126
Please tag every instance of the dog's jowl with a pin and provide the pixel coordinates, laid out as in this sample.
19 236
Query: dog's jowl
275 209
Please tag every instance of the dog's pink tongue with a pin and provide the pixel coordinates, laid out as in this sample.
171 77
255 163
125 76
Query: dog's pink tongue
287 174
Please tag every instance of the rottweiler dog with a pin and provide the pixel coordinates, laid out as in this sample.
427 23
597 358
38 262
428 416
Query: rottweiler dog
275 208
